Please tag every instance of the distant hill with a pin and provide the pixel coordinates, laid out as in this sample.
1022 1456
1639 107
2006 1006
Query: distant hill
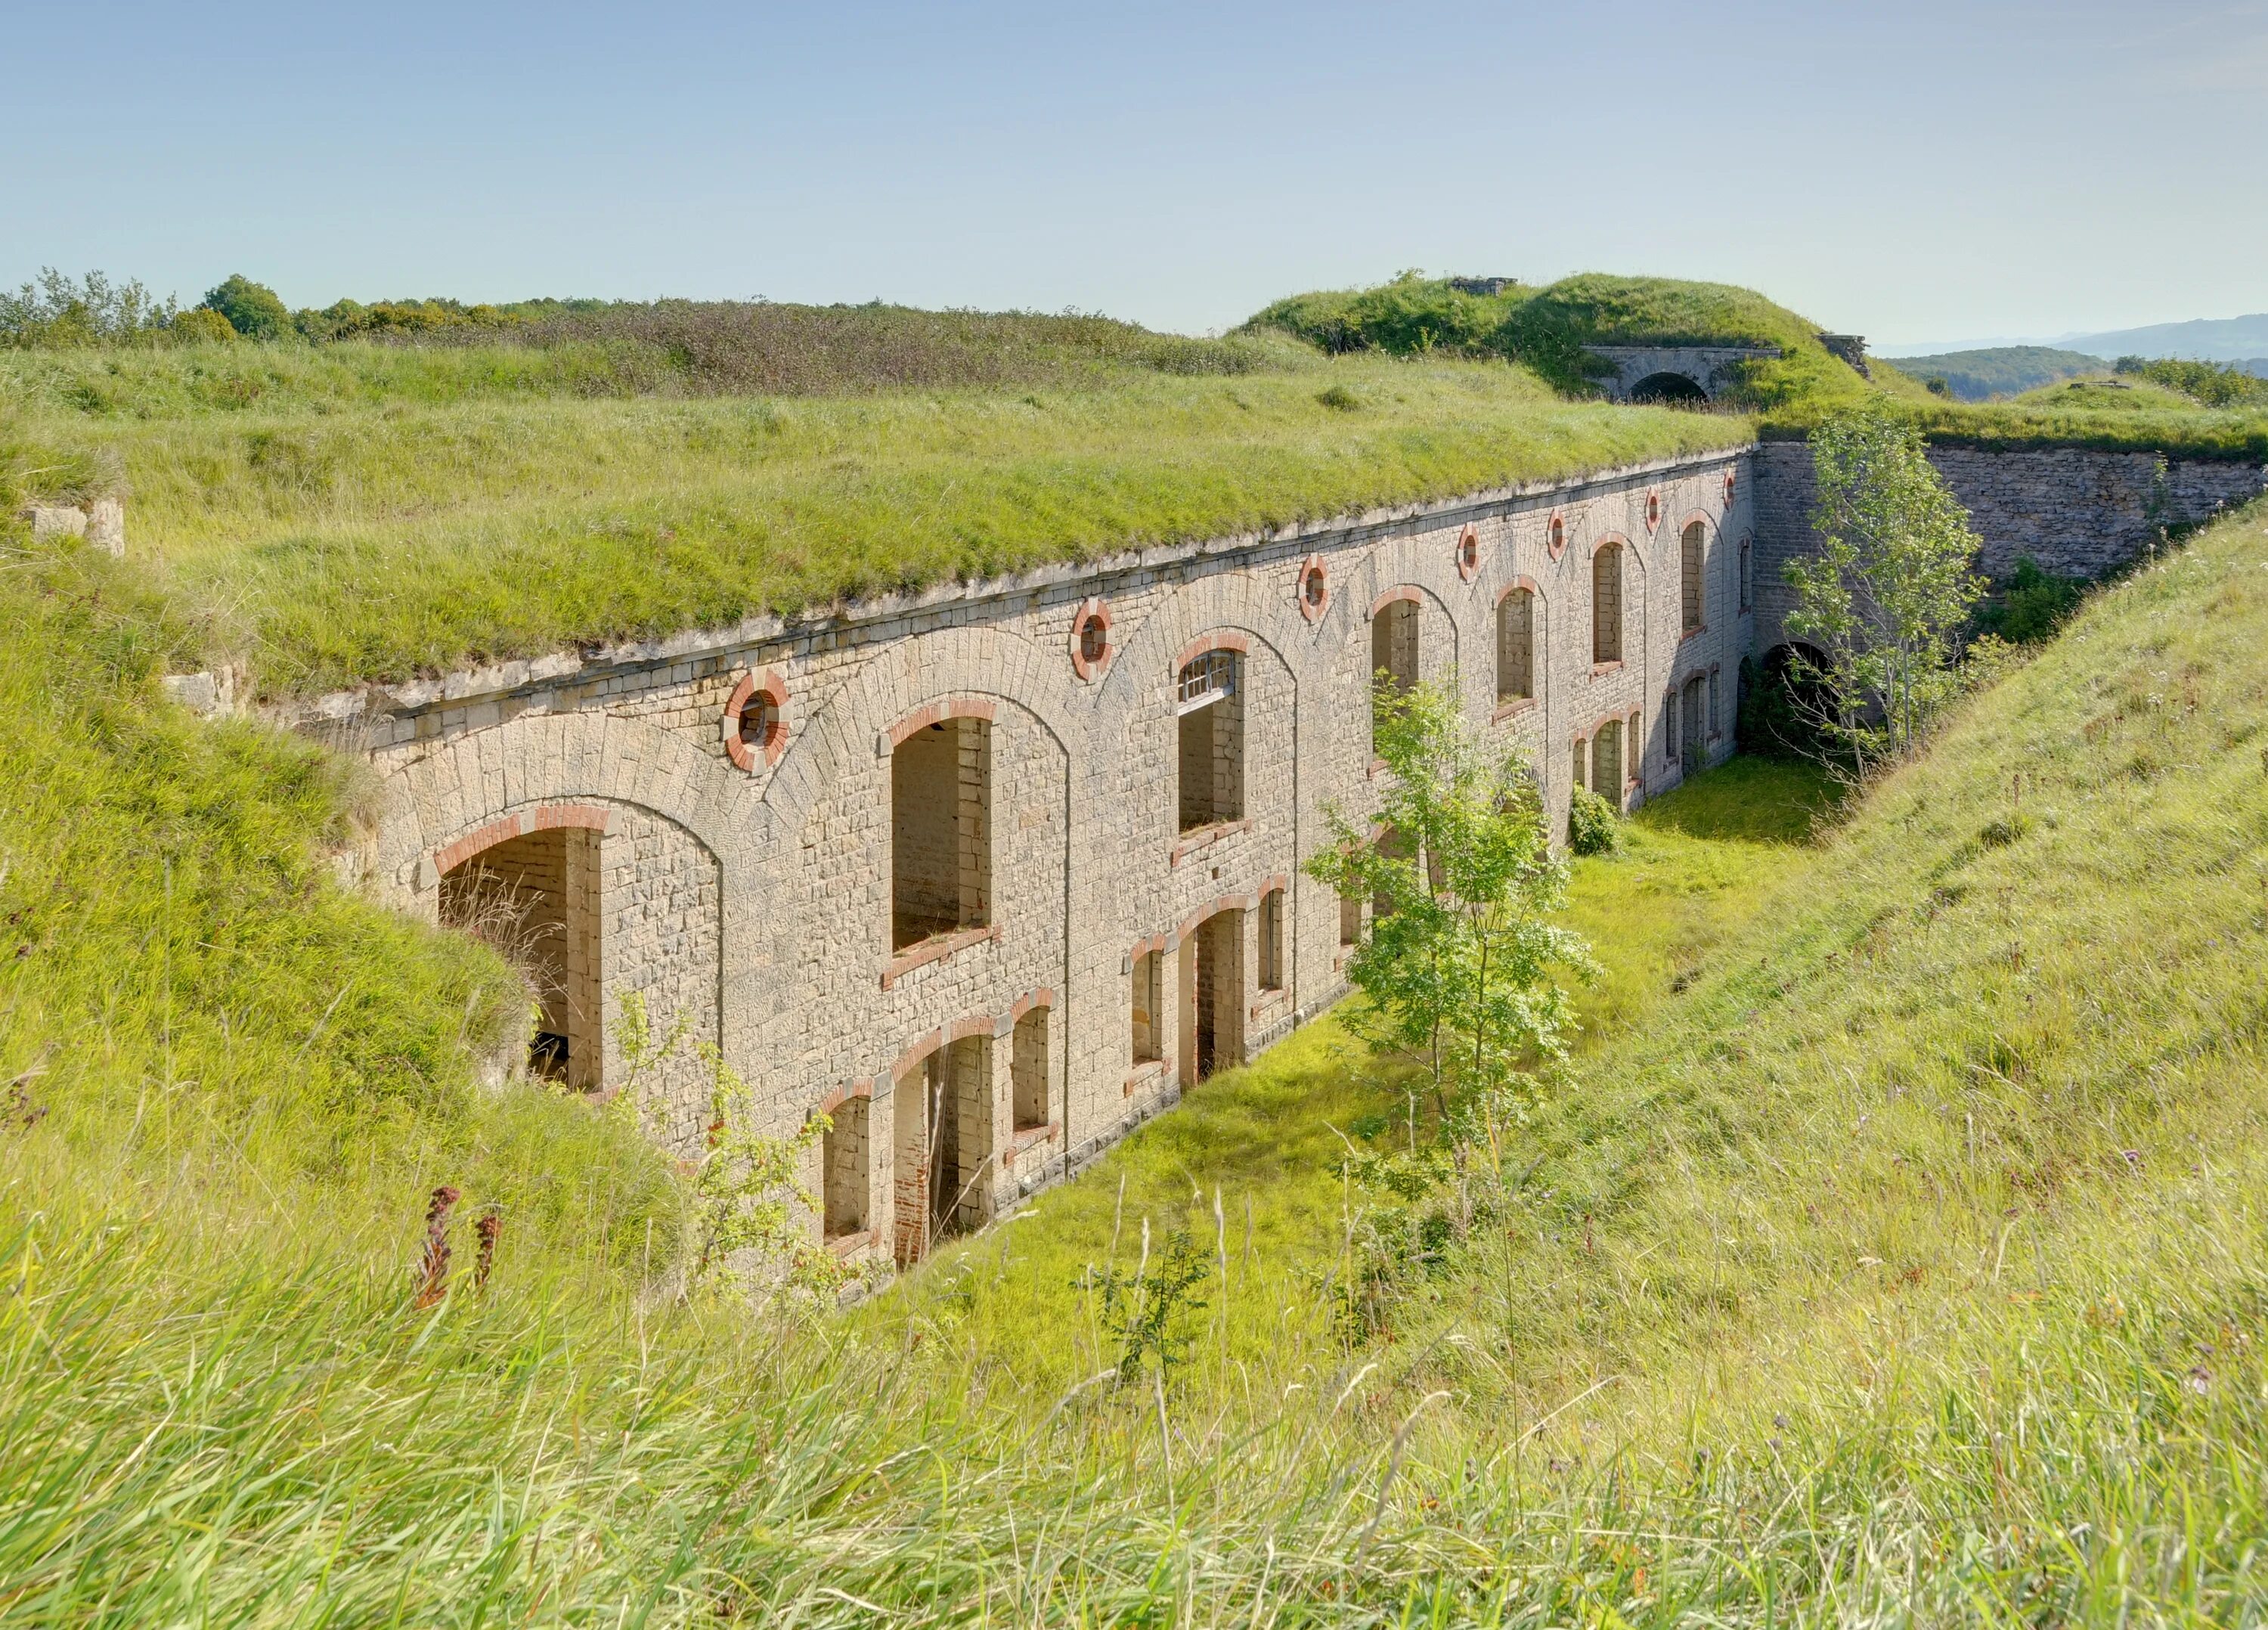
2001 370
2241 340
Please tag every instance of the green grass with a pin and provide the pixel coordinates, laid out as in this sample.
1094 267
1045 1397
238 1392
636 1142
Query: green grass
1904 1265
1547 327
334 540
1268 1139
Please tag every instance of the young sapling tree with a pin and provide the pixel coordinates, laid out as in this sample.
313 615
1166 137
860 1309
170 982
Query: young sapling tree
1886 592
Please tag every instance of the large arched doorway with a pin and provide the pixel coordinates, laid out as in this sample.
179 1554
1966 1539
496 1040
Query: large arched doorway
1666 389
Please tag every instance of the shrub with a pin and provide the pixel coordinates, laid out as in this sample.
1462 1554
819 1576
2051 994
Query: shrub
200 325
1592 826
253 309
1339 398
2031 605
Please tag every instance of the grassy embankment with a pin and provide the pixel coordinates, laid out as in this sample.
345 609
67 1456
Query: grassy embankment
372 513
1904 1262
1545 329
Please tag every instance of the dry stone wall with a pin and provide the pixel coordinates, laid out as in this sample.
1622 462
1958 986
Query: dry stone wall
751 901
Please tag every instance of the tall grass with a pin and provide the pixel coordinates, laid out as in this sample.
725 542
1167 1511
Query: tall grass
1904 1265
376 543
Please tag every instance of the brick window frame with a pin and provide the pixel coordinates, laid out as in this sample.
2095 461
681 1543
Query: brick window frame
1555 534
1521 585
935 713
1093 612
1652 508
519 823
1731 484
767 684
1313 588
1468 552
1701 519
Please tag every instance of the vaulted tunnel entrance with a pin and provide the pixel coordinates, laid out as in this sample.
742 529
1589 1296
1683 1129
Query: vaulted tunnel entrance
536 898
1674 390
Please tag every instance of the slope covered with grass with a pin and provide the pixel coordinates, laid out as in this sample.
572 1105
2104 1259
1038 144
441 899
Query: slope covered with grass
1897 1256
371 513
1546 329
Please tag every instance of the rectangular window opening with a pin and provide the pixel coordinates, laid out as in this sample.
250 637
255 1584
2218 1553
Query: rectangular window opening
1027 1068
844 1162
1271 940
1210 705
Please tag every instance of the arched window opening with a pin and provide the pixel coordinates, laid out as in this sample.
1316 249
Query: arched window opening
1694 720
941 831
1582 761
1607 760
1607 604
1689 551
1208 696
1213 996
1271 940
1148 1007
942 1123
1393 650
1747 594
536 899
1028 1071
843 1156
1515 646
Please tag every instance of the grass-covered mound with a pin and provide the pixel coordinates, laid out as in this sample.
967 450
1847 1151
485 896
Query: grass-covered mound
1546 329
373 512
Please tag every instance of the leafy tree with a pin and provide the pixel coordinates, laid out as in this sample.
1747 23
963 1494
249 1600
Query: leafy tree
57 312
744 1197
1887 592
253 309
1458 961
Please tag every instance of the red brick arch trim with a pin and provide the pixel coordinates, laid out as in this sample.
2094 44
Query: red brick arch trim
1093 609
1468 552
1605 538
1415 596
1652 508
1709 523
937 712
542 817
1515 586
1043 997
1220 639
840 1095
1555 533
1732 485
773 689
1313 588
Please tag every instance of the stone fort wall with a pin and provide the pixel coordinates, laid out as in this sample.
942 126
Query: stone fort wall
745 891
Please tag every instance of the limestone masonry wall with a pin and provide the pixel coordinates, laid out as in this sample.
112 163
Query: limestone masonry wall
747 895
745 890
2078 511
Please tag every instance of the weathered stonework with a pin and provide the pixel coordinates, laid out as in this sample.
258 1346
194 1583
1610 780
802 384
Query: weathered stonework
1711 370
2077 512
749 895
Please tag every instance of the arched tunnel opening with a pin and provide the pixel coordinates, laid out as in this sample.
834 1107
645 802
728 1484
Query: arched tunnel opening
1674 390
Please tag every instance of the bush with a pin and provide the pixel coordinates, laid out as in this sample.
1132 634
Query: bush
1592 826
253 309
200 325
2030 606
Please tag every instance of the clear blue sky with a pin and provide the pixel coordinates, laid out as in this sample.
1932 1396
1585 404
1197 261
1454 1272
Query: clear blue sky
1914 172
